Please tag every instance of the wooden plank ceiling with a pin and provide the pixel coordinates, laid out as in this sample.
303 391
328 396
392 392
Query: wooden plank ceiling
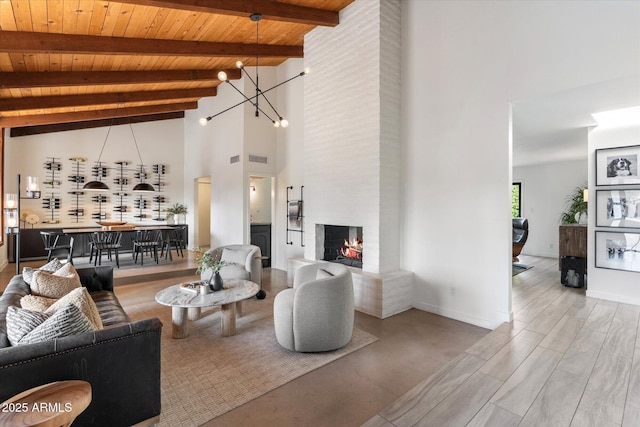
79 60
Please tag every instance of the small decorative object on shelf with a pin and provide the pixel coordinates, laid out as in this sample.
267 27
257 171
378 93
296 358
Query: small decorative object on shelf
176 214
207 262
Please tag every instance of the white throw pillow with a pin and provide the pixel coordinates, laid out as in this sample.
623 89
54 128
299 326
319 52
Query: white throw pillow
51 266
235 256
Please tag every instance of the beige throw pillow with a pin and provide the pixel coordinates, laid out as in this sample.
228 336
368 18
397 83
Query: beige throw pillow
81 298
36 303
56 284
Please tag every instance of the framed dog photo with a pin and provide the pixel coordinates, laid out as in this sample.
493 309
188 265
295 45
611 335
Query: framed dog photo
618 208
617 166
618 251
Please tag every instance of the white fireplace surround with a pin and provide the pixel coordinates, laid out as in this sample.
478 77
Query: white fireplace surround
379 295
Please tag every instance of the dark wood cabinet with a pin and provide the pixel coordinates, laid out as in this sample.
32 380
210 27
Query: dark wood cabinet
573 241
32 247
261 237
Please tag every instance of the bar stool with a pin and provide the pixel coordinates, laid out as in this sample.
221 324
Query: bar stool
52 243
146 241
57 404
105 241
173 238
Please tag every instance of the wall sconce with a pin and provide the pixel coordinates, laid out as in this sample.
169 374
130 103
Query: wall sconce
33 189
11 217
585 194
11 201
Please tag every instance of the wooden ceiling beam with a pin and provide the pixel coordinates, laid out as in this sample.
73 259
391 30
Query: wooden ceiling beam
42 102
94 78
80 116
28 42
269 9
63 127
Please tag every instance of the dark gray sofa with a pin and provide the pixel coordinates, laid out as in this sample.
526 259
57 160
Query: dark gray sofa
121 361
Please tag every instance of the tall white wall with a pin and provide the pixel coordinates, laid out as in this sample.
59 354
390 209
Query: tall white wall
208 150
615 285
463 63
352 132
207 153
290 160
545 189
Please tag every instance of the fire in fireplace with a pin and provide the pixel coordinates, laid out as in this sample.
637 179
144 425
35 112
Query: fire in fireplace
342 244
352 249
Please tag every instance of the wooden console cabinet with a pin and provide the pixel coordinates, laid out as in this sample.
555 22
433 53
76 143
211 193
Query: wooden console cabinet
573 241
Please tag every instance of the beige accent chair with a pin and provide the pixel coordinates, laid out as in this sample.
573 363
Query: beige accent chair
243 262
317 313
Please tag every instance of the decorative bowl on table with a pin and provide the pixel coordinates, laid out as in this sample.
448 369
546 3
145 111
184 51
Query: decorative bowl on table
110 223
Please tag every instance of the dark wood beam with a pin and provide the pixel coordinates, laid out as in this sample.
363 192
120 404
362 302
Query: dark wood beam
28 42
92 78
62 101
63 127
269 9
81 116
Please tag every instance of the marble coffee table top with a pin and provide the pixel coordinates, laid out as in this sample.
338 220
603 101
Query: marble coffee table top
233 291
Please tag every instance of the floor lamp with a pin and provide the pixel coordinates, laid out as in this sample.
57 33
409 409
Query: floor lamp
12 211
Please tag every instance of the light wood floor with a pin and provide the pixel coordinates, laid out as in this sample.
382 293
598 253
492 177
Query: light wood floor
566 360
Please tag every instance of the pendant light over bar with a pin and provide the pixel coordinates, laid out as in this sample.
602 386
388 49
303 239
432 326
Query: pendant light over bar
99 185
255 99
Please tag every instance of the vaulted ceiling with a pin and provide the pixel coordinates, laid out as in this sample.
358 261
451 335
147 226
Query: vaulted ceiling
67 61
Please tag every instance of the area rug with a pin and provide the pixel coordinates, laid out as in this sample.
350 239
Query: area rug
206 375
519 268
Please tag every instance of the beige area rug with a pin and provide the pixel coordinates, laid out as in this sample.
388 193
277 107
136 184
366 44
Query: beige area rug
206 375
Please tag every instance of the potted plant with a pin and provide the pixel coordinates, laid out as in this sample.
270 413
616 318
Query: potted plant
176 213
576 209
207 262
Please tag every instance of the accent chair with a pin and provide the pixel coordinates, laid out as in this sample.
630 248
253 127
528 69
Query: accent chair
317 313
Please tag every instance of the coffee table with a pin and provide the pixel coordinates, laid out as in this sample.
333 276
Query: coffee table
183 302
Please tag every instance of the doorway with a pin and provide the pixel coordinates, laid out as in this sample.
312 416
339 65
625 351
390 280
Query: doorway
202 223
261 193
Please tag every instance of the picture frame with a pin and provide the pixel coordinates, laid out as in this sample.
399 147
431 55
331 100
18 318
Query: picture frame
617 250
618 208
618 165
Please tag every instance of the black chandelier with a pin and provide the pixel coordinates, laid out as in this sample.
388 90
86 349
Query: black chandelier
255 100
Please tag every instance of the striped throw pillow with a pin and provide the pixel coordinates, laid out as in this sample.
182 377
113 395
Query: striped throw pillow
25 327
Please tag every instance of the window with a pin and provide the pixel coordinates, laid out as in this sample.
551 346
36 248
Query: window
516 201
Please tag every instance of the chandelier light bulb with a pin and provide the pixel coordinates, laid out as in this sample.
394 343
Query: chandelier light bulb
276 124
239 64
203 121
284 123
222 76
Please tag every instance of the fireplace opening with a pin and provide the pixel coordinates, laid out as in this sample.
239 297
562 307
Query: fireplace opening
343 244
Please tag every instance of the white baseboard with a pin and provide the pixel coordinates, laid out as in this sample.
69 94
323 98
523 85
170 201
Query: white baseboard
463 317
542 254
624 299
